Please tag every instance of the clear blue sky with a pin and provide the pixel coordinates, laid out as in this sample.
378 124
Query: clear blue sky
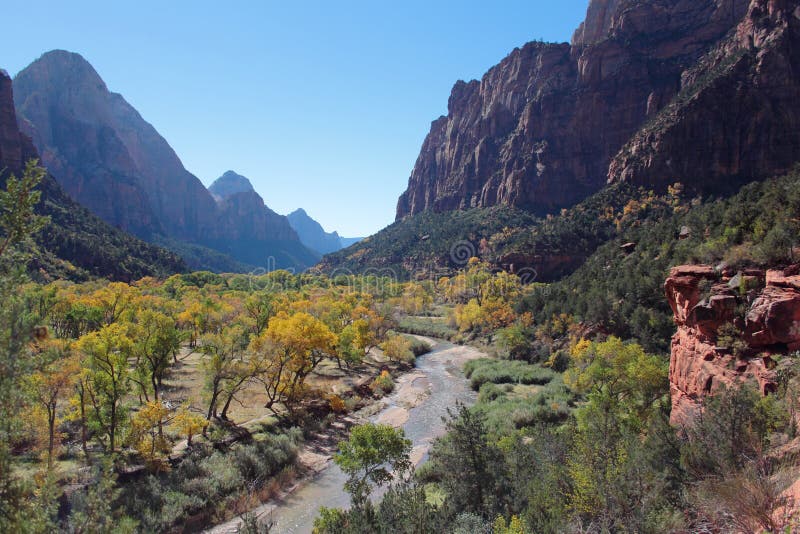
323 105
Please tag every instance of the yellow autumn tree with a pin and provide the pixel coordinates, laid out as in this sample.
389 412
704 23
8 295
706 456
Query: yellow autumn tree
285 354
186 423
49 385
146 436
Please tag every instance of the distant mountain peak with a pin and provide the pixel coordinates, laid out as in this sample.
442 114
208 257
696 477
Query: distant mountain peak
229 184
312 234
69 68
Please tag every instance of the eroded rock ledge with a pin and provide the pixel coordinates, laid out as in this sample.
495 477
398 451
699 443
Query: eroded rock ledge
732 327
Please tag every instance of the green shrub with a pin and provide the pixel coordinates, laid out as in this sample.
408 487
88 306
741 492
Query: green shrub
485 370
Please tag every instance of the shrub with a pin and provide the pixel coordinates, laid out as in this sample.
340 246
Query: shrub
485 370
418 347
398 349
383 384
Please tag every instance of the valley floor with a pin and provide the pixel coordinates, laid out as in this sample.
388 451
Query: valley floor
420 400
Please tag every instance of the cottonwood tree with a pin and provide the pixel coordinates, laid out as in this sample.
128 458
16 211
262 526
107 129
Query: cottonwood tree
373 455
50 384
106 353
155 340
225 366
286 353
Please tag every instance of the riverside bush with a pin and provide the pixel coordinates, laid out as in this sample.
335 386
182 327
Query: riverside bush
206 479
485 370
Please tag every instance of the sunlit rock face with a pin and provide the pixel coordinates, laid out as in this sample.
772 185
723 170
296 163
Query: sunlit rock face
763 307
654 92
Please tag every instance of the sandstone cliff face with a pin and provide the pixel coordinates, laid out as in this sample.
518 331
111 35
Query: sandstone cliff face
763 307
540 128
736 117
115 163
15 147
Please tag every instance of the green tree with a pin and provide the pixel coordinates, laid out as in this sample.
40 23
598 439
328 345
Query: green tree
155 339
18 221
471 467
107 352
373 456
224 366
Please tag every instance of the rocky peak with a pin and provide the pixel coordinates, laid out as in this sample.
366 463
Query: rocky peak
229 184
597 24
730 327
747 87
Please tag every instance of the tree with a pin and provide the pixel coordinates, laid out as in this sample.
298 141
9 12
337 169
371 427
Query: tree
287 352
18 222
188 424
18 201
155 339
616 377
398 349
225 367
50 383
114 300
107 352
472 468
260 306
373 455
146 436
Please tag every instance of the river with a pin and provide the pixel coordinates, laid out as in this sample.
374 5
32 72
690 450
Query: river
419 402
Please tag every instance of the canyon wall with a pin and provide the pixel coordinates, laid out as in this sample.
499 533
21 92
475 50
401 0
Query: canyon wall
653 92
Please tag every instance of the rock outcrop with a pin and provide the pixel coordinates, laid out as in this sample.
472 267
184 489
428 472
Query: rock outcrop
115 163
730 329
15 147
653 92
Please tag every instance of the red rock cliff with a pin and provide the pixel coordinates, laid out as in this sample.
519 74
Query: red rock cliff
703 92
764 310
539 129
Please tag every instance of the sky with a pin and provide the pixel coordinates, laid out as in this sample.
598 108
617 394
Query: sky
323 105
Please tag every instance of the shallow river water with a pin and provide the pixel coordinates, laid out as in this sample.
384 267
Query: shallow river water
439 374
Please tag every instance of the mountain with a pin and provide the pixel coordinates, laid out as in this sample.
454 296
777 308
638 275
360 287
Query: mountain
315 237
645 91
348 241
312 234
243 210
230 183
649 93
112 161
76 244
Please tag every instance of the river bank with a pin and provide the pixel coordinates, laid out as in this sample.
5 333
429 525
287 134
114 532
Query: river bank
420 399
